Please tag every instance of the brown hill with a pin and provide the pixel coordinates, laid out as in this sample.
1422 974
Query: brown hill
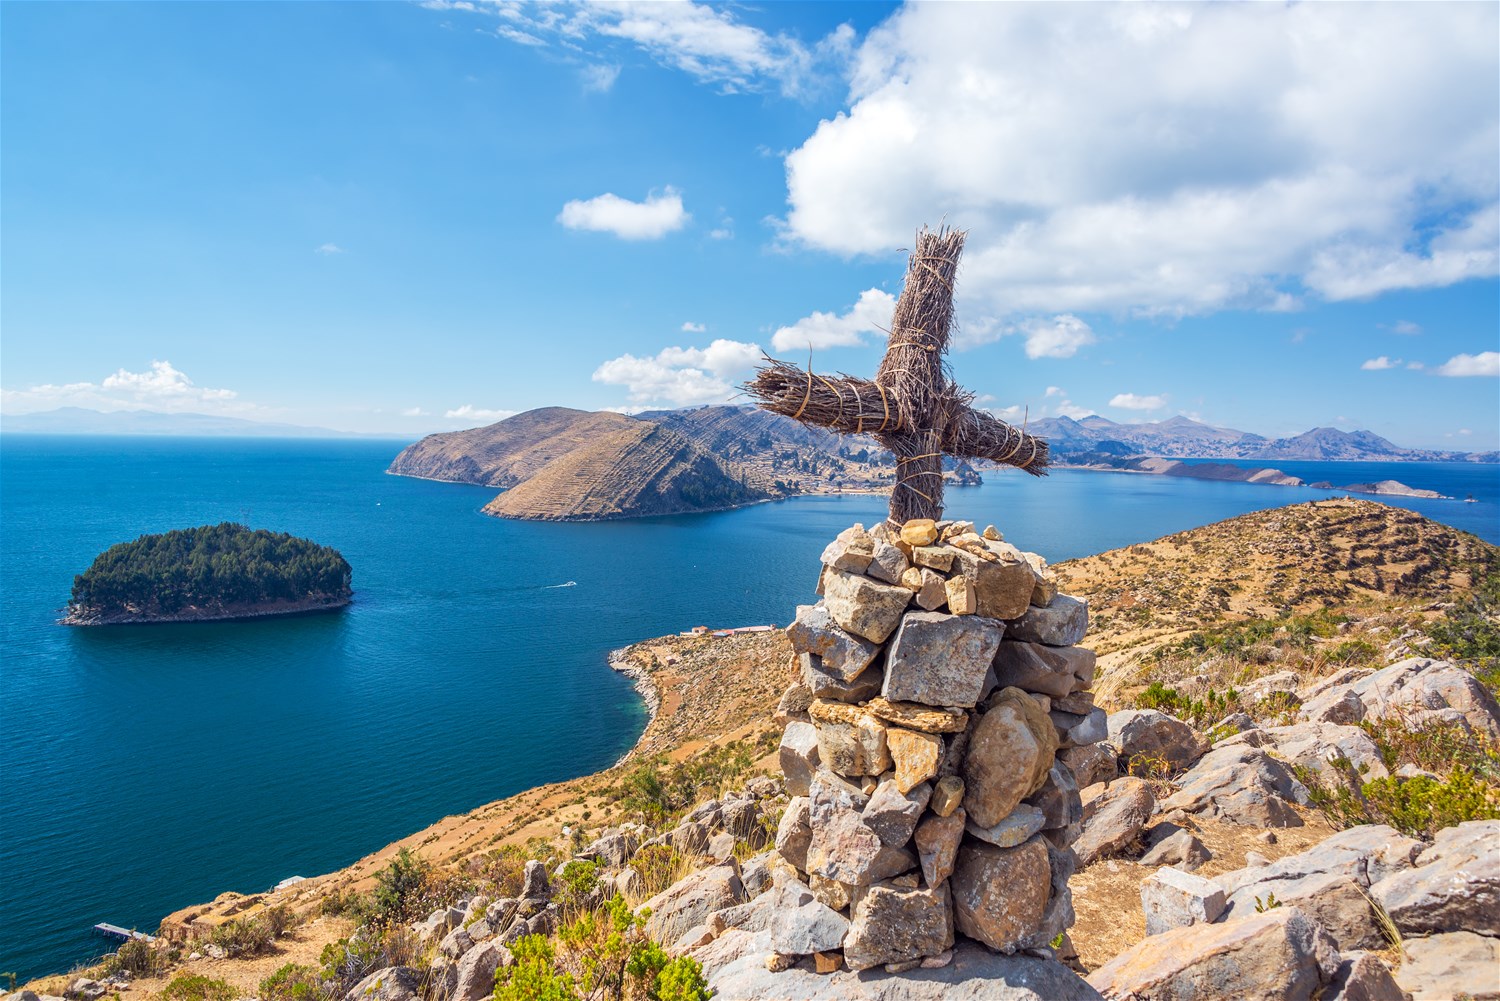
624 472
508 452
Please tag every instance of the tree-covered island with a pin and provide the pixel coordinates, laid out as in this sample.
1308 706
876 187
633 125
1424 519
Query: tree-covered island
224 571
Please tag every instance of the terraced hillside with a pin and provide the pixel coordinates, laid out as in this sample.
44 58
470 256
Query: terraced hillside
627 472
508 452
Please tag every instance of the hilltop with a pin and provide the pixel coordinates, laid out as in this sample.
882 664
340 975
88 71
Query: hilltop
558 464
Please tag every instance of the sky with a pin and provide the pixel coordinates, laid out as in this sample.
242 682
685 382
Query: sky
412 217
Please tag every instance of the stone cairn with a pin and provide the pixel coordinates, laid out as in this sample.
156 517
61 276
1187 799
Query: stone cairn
941 697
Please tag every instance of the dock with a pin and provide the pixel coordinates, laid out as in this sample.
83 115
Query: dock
123 934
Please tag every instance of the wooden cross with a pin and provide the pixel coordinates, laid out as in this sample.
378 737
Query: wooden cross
912 407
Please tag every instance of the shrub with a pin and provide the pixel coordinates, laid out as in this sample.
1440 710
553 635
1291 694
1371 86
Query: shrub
243 937
533 977
138 958
293 982
194 987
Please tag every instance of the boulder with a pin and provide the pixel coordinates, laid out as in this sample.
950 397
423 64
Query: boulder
851 550
1011 749
534 882
741 817
691 900
854 748
1281 955
1000 894
1058 799
894 924
893 814
1147 735
888 563
940 660
1061 622
1001 590
863 606
937 840
1050 670
1456 884
1363 977
1021 824
1171 899
689 838
1091 763
801 925
1450 965
1181 849
1114 819
794 702
456 943
1410 689
1339 755
843 656
476 971
1240 785
826 685
1367 854
612 850
798 756
735 967
1078 730
393 983
794 833
916 756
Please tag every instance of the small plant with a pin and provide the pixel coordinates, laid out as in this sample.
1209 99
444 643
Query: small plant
195 987
137 958
243 937
1270 903
293 982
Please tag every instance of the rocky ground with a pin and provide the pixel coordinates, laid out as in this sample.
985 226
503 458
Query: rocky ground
1273 813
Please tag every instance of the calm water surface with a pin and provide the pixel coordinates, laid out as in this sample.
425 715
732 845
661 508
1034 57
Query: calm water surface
146 768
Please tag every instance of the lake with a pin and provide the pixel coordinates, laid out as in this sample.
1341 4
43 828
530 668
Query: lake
145 768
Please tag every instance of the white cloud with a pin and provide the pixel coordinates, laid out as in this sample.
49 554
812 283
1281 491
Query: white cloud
1054 391
821 330
599 77
1484 363
682 377
1405 327
1378 364
1059 337
1067 408
652 219
469 412
1415 366
693 328
329 249
1167 159
161 388
706 43
1130 401
415 412
1465 431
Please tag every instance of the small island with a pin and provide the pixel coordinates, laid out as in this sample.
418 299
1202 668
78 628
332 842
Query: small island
210 573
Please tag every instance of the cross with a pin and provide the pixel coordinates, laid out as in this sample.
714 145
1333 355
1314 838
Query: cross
912 406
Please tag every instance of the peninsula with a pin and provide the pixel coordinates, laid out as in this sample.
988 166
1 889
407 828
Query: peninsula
213 572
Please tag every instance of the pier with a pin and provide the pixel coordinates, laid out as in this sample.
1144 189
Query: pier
123 934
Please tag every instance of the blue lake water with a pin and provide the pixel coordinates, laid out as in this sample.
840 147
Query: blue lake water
146 768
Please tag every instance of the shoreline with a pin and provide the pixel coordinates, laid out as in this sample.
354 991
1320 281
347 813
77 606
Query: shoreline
1409 492
310 607
644 687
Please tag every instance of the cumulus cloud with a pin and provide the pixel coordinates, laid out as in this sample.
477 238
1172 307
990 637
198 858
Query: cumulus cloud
1379 364
1484 363
1067 408
1405 327
1059 337
871 313
1167 159
693 328
329 249
1130 401
682 377
600 77
162 388
652 219
415 412
469 412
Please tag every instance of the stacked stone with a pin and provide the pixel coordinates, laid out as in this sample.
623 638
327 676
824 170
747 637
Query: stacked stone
942 692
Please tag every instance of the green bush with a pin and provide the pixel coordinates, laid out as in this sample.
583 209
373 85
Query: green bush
533 976
138 958
1422 806
194 987
1470 633
243 937
293 982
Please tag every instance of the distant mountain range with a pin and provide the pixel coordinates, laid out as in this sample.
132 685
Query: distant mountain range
77 420
1073 441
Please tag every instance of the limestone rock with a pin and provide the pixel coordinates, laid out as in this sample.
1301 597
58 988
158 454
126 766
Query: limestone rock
393 983
1281 955
916 716
843 655
940 659
1456 884
456 943
1448 966
947 795
919 532
1011 749
1151 735
856 748
1409 689
1181 849
1363 977
843 848
1174 899
888 564
476 971
911 579
937 840
932 594
894 925
1113 820
794 833
825 685
1054 671
1062 622
1019 825
1000 894
893 814
1091 763
829 892
851 550
1240 785
1340 755
938 558
691 900
794 702
915 755
534 882
1079 730
864 607
1002 590
1045 589
798 756
801 926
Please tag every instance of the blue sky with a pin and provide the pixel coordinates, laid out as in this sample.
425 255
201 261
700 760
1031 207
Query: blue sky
415 217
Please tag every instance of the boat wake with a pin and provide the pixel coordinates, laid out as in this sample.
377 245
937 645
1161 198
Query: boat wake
571 583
